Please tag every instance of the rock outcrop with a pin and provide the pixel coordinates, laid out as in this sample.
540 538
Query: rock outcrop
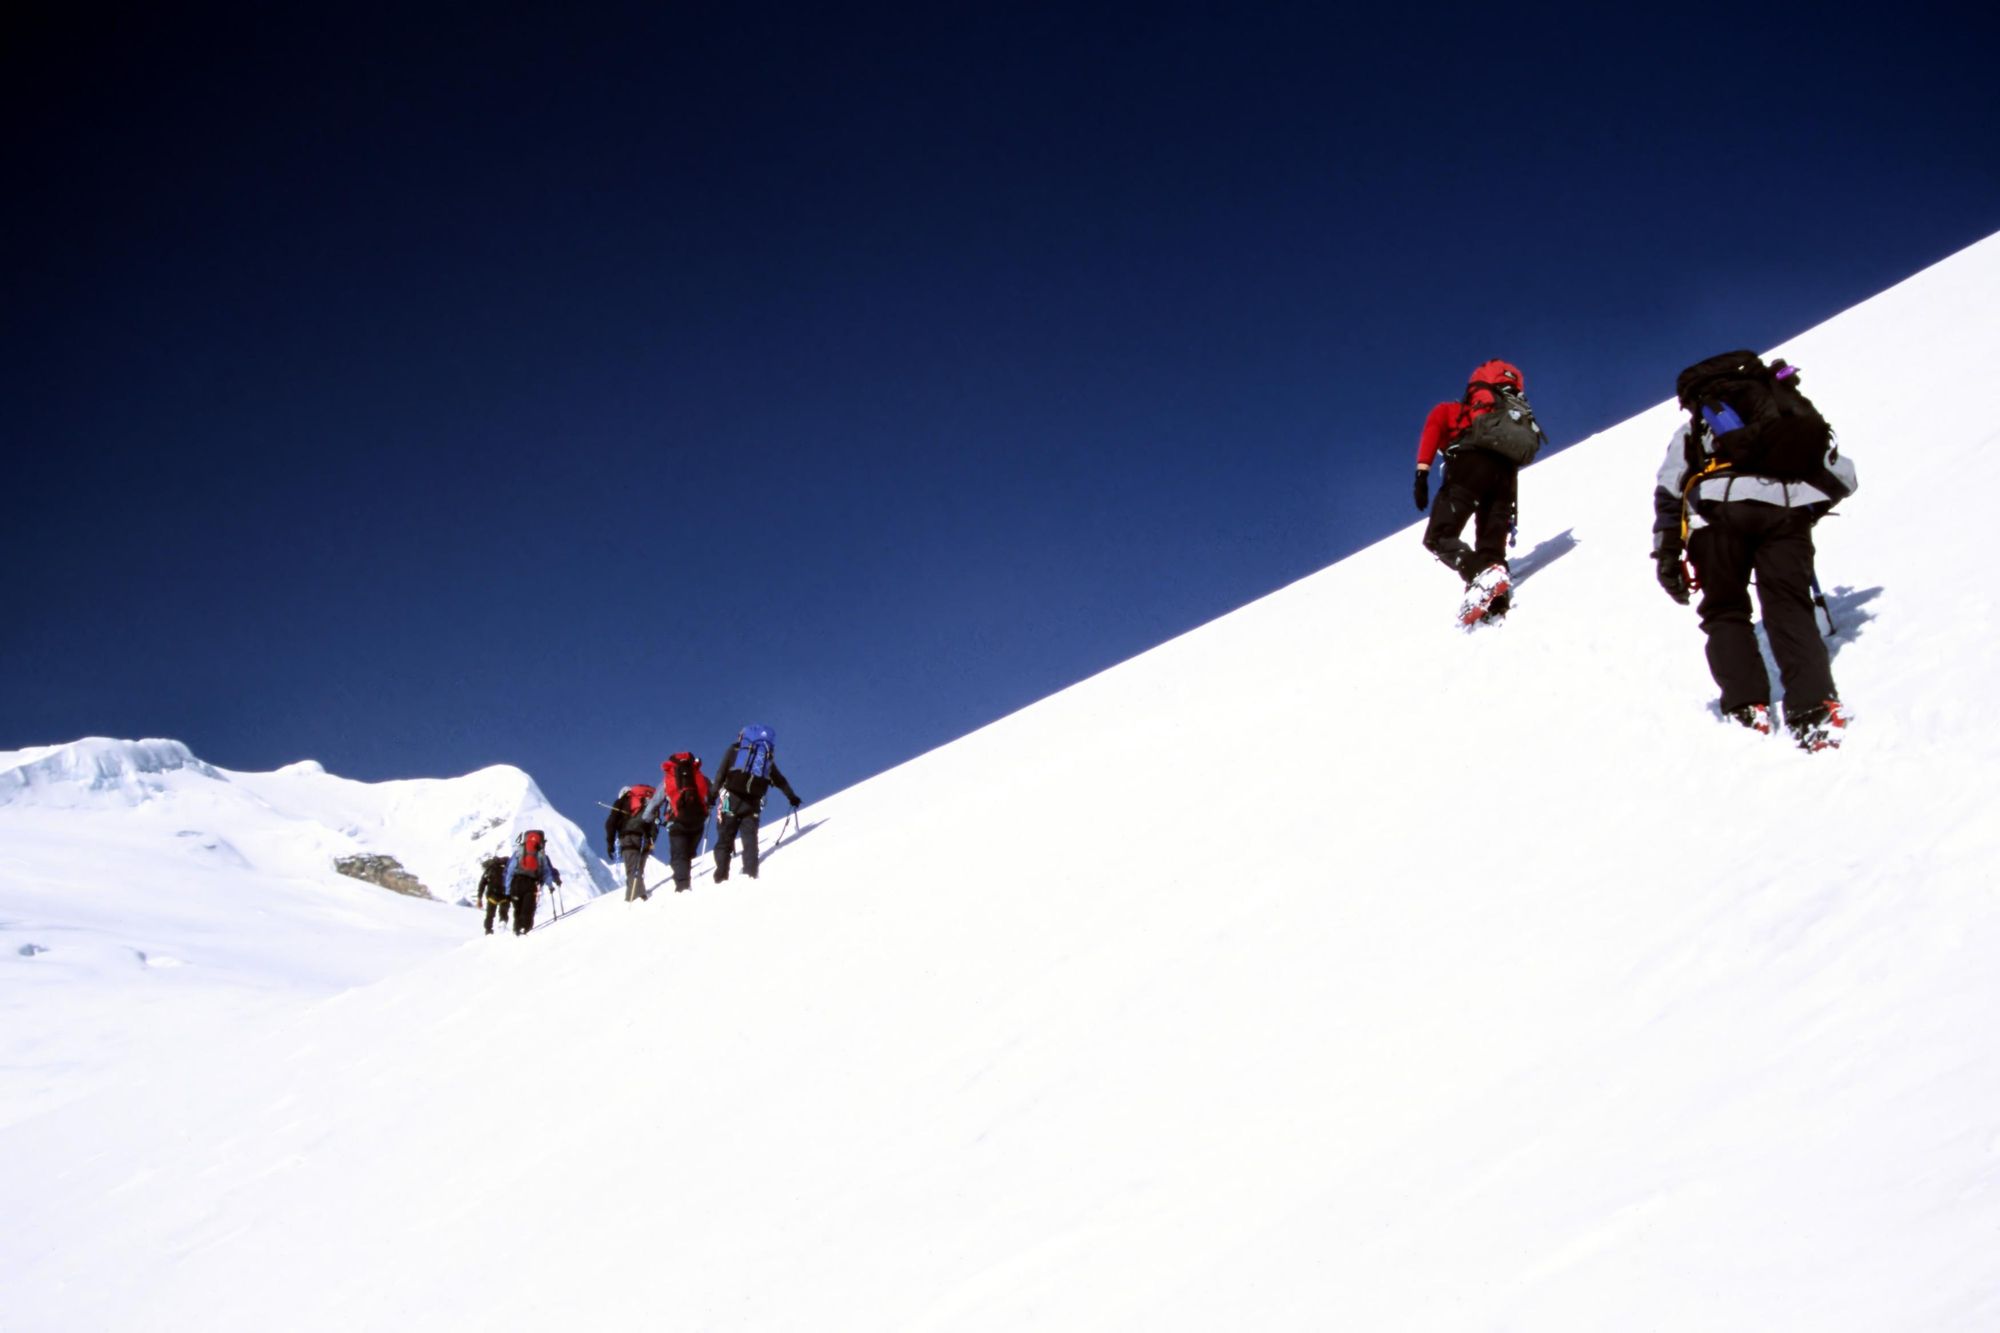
386 871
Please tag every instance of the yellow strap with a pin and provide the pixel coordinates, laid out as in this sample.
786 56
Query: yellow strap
1708 469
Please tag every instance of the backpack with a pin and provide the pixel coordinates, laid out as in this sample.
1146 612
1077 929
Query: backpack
1755 417
1507 428
493 877
754 745
529 847
686 787
633 799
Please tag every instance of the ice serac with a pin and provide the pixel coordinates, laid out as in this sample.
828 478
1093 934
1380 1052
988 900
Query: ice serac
95 771
1321 968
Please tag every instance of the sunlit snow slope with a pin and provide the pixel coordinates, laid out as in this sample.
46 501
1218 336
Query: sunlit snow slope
152 903
1569 1007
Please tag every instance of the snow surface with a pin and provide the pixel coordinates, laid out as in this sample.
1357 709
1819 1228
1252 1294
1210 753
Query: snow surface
151 902
1569 1007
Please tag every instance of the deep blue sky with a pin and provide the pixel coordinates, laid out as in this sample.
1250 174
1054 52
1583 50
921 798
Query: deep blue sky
417 393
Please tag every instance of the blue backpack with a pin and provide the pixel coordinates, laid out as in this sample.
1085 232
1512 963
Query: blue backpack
753 751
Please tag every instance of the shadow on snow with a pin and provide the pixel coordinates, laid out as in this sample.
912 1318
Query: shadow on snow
1546 553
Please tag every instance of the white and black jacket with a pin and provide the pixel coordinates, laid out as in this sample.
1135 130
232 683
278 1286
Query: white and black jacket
1835 482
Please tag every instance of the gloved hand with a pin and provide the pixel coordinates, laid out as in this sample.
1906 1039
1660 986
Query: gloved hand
1672 577
795 801
556 875
610 851
1421 492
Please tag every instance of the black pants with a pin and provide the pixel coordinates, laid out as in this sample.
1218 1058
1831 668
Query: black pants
493 904
726 826
524 889
1742 537
1478 486
681 842
635 869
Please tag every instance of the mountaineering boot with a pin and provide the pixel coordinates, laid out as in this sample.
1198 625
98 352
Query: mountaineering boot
721 873
1757 717
1821 727
1488 586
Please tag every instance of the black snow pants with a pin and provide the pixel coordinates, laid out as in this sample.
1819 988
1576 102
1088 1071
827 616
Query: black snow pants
1745 537
727 825
525 889
496 904
1478 485
681 842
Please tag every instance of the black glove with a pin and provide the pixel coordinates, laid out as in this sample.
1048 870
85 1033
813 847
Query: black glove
556 875
1422 490
1672 577
794 800
610 852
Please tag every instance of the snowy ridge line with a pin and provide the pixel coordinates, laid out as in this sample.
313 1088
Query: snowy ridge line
1569 1008
150 899
98 765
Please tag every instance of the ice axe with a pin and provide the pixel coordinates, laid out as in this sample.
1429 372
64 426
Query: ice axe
792 822
1819 600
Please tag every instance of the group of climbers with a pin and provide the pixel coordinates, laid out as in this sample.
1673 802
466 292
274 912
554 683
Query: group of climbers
1749 472
683 802
679 806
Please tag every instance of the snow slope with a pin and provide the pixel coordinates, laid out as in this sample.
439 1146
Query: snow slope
1569 1007
150 901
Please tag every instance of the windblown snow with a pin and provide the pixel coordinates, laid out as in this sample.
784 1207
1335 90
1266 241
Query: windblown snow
1567 1007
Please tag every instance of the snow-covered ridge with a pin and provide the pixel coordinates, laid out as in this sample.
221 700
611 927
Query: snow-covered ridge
438 828
147 893
94 769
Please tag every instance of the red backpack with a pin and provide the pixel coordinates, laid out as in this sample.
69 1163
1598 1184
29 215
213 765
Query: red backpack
686 787
529 847
633 799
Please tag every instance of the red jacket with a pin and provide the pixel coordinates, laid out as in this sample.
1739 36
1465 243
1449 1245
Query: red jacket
1447 422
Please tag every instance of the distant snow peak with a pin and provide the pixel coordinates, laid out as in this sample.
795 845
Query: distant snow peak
311 768
129 772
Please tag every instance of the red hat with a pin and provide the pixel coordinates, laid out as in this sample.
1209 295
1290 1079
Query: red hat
1500 373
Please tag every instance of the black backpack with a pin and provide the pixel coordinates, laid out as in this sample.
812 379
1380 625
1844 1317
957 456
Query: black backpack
1755 416
1508 428
493 877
